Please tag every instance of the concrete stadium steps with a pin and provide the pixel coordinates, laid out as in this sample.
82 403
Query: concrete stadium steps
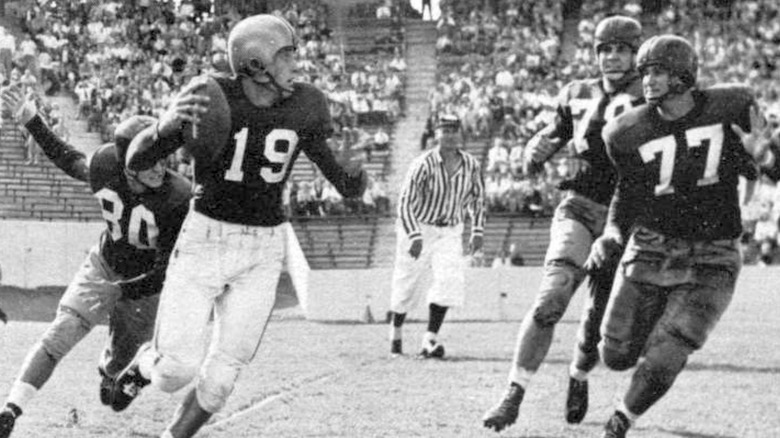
337 242
39 191
530 235
366 35
79 137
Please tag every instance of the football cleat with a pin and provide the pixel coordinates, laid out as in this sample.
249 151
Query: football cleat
617 426
8 417
505 412
106 387
432 349
396 347
576 401
127 386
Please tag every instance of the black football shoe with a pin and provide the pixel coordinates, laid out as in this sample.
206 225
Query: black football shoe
8 417
106 387
127 386
617 426
576 401
504 414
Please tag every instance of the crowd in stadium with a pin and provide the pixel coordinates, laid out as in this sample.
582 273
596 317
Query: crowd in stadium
500 66
118 60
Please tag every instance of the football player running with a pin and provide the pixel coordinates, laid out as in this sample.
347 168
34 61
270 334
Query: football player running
675 218
585 107
230 251
123 273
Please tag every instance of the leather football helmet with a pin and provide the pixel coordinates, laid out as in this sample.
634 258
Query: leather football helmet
254 42
618 29
673 54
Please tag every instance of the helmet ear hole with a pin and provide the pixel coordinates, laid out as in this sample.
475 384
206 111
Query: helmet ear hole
254 66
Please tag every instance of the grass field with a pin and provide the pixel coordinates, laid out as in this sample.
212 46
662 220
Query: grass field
333 380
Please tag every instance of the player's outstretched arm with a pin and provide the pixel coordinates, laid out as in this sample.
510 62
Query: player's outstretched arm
63 155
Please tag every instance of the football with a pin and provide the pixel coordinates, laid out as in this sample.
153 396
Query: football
205 140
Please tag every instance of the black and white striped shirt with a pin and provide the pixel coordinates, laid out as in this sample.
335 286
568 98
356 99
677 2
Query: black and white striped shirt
431 196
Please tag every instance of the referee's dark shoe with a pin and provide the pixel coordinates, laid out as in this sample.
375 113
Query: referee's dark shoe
432 350
396 348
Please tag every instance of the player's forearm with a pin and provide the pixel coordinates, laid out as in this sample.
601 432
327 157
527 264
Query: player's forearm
620 218
163 146
348 185
545 144
66 157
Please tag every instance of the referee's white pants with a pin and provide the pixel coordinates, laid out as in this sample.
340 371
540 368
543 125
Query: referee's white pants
442 252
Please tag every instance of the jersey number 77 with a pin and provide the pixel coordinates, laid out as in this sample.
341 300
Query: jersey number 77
666 147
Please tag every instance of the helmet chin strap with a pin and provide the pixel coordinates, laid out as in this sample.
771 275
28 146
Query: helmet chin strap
614 85
270 84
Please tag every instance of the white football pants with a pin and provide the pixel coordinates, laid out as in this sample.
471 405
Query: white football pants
229 270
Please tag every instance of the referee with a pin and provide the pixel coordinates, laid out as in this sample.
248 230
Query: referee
441 185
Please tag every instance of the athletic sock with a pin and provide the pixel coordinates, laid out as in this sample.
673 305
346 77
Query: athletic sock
436 314
146 360
577 374
21 393
521 377
623 409
396 325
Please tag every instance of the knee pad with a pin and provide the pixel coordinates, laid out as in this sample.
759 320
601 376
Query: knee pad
217 380
666 356
617 356
560 280
67 330
170 375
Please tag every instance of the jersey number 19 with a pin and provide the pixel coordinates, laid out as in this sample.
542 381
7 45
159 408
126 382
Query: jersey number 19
274 150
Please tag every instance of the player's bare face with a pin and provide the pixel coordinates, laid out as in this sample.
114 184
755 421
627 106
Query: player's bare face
154 176
655 83
615 60
285 67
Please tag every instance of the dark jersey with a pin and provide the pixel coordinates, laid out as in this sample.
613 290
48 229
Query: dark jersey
583 109
141 229
244 183
680 177
138 226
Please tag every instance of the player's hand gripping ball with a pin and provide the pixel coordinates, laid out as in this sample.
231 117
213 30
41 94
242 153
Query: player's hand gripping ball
206 131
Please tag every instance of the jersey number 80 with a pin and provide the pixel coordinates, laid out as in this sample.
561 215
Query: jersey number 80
140 219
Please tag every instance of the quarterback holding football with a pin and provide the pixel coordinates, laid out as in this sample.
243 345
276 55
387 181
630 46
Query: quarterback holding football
248 131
